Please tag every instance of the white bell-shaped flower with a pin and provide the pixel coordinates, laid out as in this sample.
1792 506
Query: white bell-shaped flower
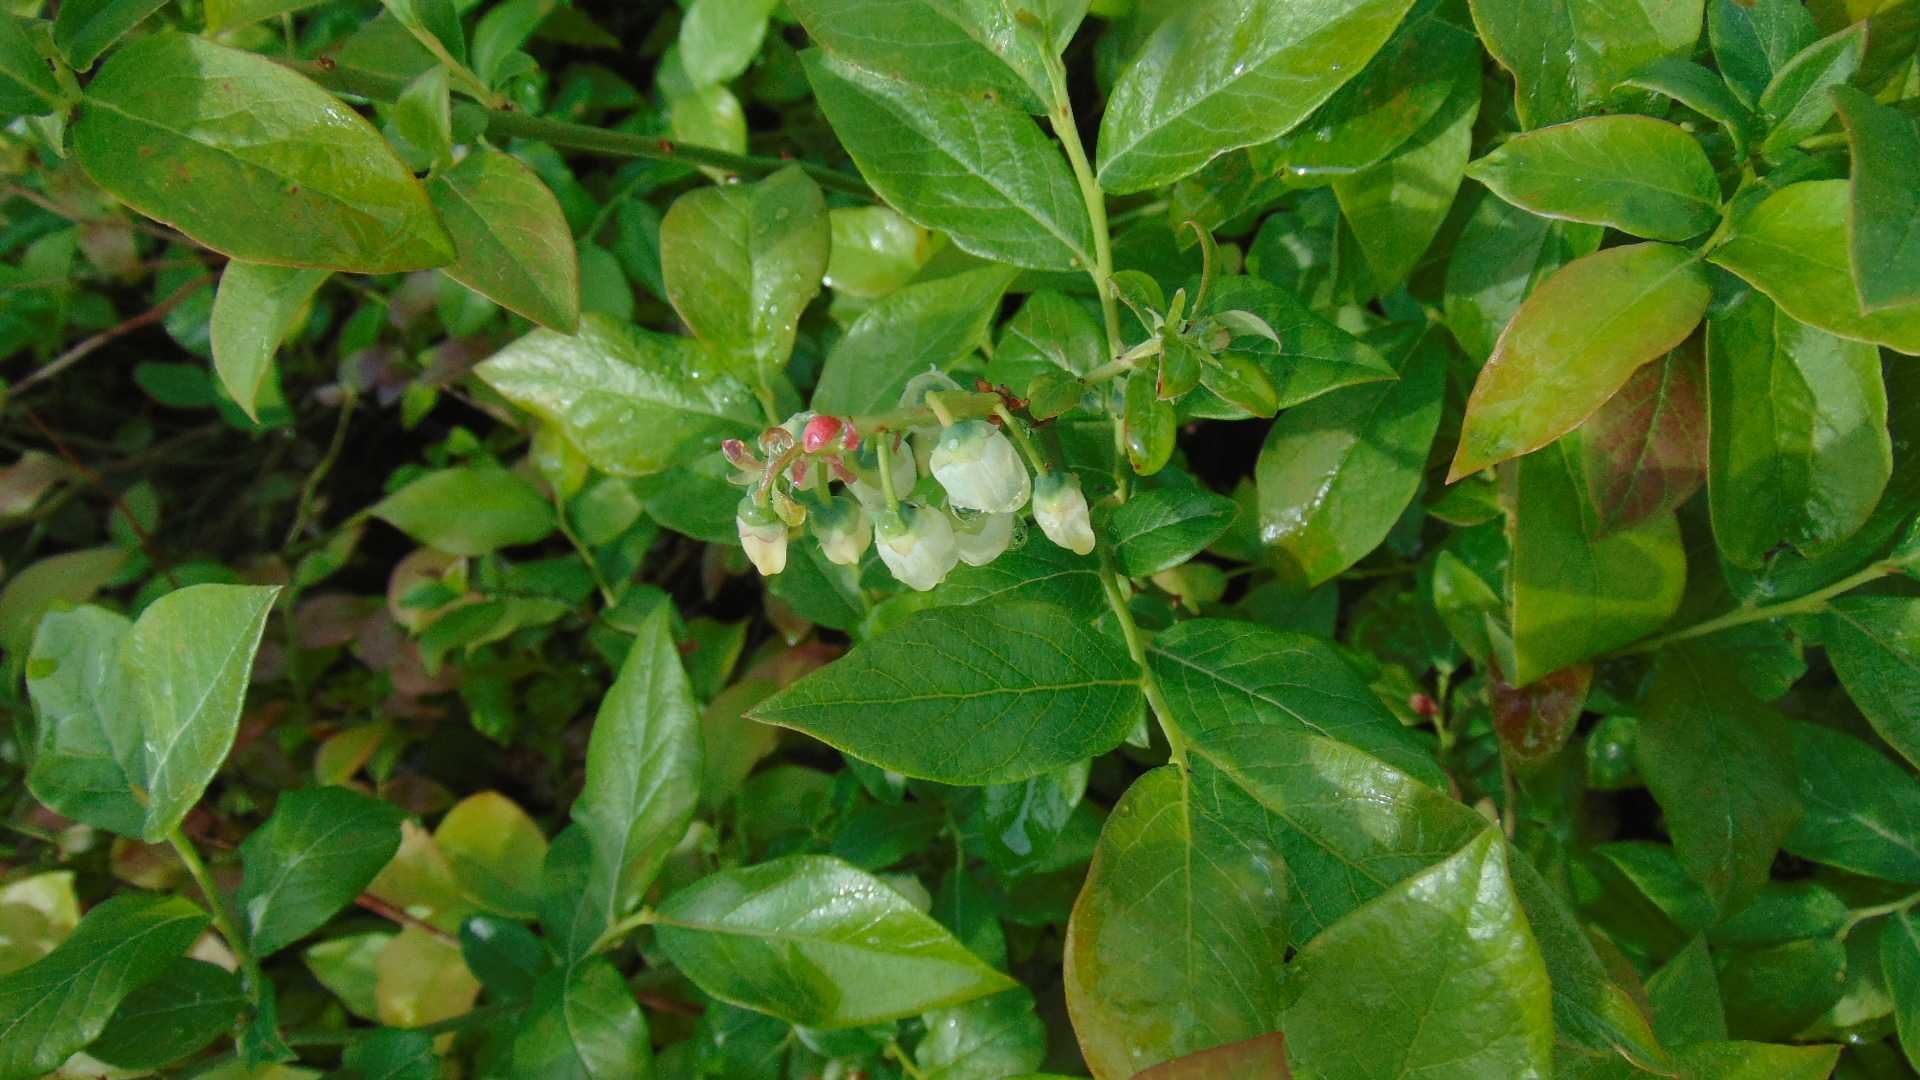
1061 510
843 529
764 536
904 473
980 469
917 545
982 538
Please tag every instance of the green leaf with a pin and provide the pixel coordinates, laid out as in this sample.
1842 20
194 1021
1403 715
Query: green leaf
1179 935
255 309
1037 570
86 28
319 850
1575 342
171 1018
931 324
1396 207
1704 92
422 117
1440 973
1798 102
505 955
1314 355
392 1054
61 1003
71 576
1500 259
510 240
1884 200
1862 810
986 1039
1222 75
975 47
971 166
1758 1061
1402 88
87 760
469 510
743 261
495 851
1685 995
1752 41
26 84
1646 448
1721 766
305 182
1241 675
643 774
1052 334
1900 961
998 693
583 1024
188 660
1633 173
1798 418
1874 645
1567 56
633 401
1163 527
1793 247
1575 590
1335 474
227 14
813 941
875 250
720 38
435 24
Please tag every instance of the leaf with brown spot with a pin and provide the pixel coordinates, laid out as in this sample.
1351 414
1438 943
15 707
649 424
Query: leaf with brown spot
1264 1058
1535 721
1646 449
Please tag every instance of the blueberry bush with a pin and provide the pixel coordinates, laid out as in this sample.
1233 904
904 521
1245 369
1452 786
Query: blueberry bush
960 539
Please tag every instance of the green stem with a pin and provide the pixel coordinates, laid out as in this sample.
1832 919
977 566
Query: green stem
607 593
516 125
1068 131
1803 605
1018 431
884 454
1136 648
764 391
223 919
958 405
620 930
1891 907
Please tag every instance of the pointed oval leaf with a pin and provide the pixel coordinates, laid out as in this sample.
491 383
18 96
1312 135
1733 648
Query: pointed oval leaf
1567 56
1453 938
1218 76
511 242
1883 211
1163 527
26 82
814 941
62 1002
970 165
1646 448
633 401
252 160
1798 102
1874 644
87 758
929 324
1862 810
997 693
1575 342
254 309
743 261
1798 418
469 510
86 28
317 851
1793 247
1633 173
1147 979
177 1015
188 659
583 1024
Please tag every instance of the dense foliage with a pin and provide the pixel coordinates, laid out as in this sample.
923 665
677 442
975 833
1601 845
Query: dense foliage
960 539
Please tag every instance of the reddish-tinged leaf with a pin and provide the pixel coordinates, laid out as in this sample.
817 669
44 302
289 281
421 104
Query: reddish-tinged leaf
1264 1058
1646 449
1534 721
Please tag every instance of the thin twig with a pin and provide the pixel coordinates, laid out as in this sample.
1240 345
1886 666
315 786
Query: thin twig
147 543
81 351
404 918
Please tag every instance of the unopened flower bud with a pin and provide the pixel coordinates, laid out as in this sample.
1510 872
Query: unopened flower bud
980 469
843 530
982 538
764 536
917 545
820 433
1061 510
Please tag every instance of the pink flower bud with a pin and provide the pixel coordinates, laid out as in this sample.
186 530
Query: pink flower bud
820 433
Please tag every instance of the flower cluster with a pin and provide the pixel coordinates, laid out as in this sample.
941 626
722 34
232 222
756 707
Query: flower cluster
852 489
